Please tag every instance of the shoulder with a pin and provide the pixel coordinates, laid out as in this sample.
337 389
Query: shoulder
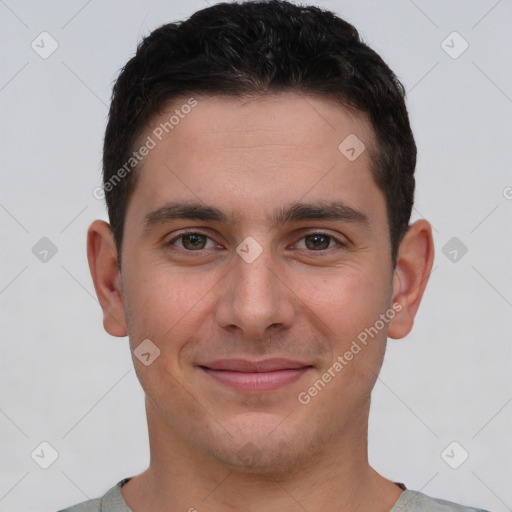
413 501
86 506
111 501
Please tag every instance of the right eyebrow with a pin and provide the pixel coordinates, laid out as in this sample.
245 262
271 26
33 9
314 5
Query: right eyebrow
182 210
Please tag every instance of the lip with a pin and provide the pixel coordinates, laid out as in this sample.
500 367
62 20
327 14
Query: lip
256 376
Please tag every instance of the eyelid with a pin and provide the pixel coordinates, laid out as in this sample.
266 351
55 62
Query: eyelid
190 231
340 240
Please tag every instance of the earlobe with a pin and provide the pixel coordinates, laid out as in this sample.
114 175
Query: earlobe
102 257
414 264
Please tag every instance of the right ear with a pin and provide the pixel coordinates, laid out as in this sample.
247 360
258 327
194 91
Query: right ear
102 256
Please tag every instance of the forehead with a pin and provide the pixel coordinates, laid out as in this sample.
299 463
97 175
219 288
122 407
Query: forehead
249 155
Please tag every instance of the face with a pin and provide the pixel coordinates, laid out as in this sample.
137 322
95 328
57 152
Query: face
255 254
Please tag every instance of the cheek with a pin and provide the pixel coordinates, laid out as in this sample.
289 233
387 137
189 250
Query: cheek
346 300
165 306
349 301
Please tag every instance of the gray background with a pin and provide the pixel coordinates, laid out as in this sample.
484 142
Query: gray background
63 380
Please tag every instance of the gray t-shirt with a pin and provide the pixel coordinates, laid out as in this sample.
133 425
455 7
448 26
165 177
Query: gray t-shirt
409 501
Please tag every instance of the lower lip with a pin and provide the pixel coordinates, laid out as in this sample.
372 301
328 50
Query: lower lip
258 381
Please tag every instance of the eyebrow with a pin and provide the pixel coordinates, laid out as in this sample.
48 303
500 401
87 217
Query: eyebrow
323 210
295 212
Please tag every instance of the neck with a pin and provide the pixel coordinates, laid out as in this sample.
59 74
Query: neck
338 477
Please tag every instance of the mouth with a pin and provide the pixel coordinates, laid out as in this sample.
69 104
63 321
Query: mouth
255 376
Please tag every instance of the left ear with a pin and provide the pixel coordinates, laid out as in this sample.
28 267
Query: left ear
414 264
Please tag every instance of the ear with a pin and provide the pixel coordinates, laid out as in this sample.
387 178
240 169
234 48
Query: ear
102 256
414 264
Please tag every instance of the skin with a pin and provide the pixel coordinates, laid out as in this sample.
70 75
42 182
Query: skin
248 158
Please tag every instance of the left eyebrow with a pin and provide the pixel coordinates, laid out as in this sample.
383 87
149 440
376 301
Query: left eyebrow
333 210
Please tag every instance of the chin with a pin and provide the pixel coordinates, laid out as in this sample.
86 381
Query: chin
266 446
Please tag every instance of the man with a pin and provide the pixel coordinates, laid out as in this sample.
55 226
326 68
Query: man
259 178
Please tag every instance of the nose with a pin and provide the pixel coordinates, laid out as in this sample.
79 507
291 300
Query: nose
254 298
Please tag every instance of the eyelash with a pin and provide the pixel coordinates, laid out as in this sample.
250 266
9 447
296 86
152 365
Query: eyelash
193 232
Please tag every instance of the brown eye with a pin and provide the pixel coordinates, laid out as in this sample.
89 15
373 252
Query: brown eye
317 241
192 241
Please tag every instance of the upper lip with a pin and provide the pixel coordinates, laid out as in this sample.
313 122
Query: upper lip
246 366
